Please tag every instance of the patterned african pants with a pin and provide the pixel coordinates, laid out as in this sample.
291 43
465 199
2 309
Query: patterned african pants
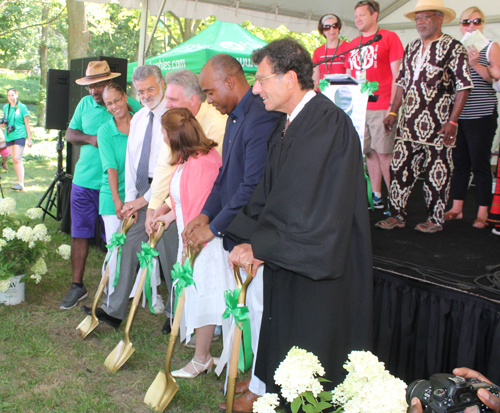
494 216
408 160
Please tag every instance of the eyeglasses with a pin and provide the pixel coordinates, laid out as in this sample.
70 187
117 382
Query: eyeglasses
424 18
261 80
475 22
148 90
100 85
327 27
366 3
12 88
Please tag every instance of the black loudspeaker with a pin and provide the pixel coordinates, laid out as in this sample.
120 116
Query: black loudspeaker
78 67
56 115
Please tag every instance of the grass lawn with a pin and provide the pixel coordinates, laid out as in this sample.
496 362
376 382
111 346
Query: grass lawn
45 367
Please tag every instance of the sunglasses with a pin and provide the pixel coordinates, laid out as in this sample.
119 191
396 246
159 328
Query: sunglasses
12 88
327 27
366 3
100 85
475 22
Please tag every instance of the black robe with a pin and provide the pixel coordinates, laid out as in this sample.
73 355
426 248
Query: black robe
308 221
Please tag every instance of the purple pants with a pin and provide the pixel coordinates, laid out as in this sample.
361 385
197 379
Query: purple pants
84 211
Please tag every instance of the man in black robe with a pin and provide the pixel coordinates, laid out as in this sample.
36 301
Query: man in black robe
307 222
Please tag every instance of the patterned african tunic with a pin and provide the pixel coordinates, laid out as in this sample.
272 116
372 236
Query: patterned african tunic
430 79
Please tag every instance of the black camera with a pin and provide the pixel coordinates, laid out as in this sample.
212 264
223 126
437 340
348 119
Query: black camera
3 121
447 393
10 129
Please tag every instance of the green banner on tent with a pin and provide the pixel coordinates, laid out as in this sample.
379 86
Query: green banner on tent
219 37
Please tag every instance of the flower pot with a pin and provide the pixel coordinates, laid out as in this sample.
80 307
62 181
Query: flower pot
15 294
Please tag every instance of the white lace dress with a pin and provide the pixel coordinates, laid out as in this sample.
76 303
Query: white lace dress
212 275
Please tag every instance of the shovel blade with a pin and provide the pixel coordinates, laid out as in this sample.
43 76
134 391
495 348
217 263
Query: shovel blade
87 326
119 356
161 392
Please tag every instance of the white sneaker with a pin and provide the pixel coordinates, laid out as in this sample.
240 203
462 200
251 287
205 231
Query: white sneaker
159 307
495 231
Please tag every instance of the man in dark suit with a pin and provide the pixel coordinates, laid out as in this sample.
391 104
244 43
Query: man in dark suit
243 156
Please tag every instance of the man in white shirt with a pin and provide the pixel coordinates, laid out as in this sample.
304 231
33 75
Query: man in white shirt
150 86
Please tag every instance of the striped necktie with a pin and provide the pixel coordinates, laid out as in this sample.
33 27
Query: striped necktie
142 179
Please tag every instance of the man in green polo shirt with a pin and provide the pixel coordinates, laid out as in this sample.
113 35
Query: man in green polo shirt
89 116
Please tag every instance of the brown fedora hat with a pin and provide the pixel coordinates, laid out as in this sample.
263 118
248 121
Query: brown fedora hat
97 71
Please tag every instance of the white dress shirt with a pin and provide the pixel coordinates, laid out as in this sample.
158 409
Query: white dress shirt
138 127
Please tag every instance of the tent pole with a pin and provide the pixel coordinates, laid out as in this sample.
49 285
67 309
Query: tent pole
143 33
150 41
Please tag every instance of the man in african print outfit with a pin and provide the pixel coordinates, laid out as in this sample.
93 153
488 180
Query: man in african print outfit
434 83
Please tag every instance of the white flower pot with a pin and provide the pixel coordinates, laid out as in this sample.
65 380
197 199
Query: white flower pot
15 294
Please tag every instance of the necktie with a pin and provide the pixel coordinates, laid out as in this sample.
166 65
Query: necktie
142 180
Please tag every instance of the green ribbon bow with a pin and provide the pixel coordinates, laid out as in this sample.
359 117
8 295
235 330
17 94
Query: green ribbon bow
369 190
242 320
323 83
182 277
116 241
370 87
146 260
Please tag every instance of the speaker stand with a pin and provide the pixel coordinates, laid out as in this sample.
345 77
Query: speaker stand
52 195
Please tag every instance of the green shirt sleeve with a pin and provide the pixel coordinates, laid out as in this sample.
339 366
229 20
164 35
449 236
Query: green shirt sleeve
76 120
134 104
106 147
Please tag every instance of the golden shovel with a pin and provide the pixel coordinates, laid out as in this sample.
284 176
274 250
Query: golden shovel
124 349
164 387
235 349
91 322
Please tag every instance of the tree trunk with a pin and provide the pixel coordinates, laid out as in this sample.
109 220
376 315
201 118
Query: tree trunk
78 40
43 66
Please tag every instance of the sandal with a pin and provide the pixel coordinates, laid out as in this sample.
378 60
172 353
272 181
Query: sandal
480 223
391 223
448 216
429 227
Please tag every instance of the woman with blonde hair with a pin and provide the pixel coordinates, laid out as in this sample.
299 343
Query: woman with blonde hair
476 126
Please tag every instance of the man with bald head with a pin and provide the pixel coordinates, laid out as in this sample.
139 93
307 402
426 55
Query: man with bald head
243 157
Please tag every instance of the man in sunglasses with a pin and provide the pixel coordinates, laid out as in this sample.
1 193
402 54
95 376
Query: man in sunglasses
433 86
89 115
378 62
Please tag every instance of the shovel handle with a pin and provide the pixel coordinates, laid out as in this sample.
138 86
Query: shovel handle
126 225
155 236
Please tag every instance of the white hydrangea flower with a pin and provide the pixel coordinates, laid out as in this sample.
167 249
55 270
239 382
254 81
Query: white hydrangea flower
39 268
36 277
369 387
296 374
266 403
7 206
64 251
34 213
4 285
25 233
31 245
9 234
40 232
3 243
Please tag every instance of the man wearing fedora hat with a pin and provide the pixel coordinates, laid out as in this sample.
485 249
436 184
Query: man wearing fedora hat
89 115
434 83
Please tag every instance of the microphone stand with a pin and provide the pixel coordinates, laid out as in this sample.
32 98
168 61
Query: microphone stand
331 59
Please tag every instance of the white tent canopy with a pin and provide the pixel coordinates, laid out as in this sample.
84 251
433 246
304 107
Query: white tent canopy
302 16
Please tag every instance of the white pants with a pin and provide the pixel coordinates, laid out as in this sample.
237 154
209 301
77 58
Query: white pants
111 224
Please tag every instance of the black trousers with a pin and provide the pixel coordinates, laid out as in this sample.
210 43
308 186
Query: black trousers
473 153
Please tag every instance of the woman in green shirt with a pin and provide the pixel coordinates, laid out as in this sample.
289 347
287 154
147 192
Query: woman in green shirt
16 121
112 141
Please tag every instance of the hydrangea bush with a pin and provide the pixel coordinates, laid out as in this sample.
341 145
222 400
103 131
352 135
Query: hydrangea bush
368 387
23 249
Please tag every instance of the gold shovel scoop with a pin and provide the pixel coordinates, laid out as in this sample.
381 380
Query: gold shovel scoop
91 322
235 349
164 387
124 349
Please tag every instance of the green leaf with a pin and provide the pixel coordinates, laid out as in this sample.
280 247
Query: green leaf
321 379
308 408
296 404
325 396
322 406
310 398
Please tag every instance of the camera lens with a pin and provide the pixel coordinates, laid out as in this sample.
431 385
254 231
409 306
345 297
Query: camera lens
419 389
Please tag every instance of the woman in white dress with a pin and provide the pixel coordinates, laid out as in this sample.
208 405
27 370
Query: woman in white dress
198 165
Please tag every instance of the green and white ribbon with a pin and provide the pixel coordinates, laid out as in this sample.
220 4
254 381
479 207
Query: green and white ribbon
116 241
182 277
369 87
242 320
146 259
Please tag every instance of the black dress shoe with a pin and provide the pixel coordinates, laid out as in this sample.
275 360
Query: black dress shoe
102 316
166 329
